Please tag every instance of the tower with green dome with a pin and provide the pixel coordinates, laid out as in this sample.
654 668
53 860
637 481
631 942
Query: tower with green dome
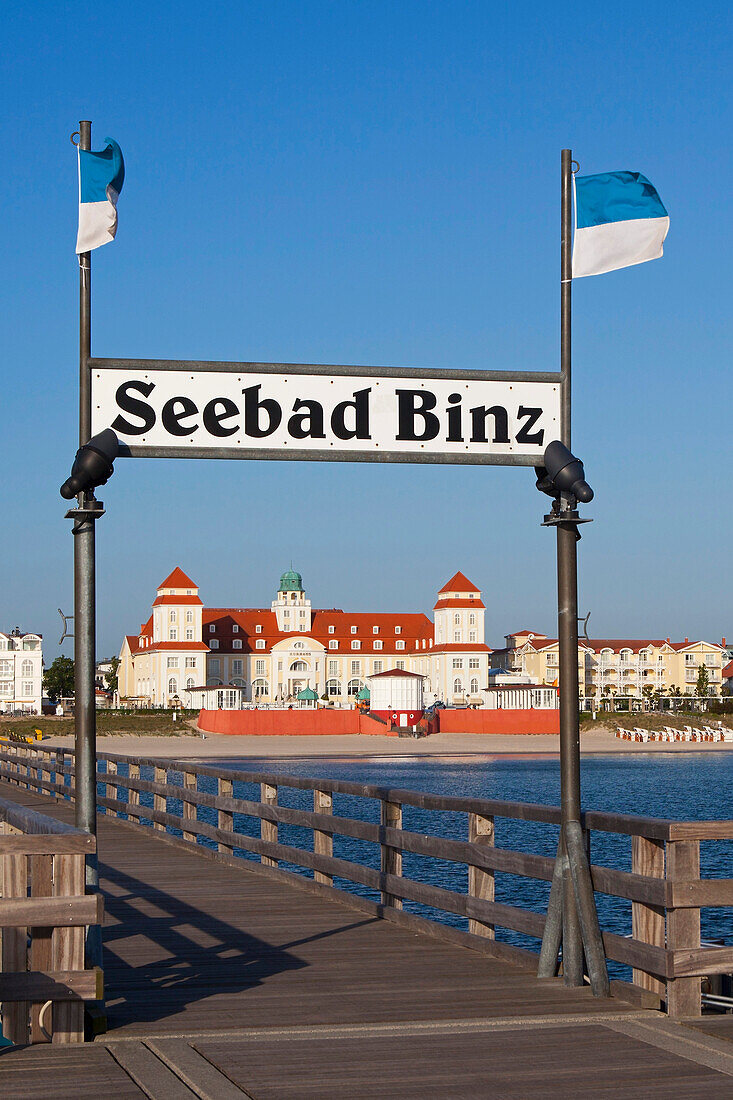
292 609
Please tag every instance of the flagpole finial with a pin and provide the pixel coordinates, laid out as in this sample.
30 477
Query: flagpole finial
76 134
576 169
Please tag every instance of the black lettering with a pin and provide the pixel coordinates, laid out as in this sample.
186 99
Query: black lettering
411 404
455 430
501 424
313 418
213 419
360 405
532 416
252 406
132 405
174 411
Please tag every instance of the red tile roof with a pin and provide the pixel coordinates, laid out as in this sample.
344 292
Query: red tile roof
177 600
414 628
457 603
728 670
462 647
458 583
396 672
177 579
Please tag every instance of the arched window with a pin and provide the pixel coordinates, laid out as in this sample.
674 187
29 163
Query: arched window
298 645
260 688
457 619
172 616
190 683
354 687
173 686
472 619
27 668
333 687
457 687
237 681
189 616
299 666
474 687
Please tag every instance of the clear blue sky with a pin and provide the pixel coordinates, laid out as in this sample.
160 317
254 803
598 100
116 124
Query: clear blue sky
369 182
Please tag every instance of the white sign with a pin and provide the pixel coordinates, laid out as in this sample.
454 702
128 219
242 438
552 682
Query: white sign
257 411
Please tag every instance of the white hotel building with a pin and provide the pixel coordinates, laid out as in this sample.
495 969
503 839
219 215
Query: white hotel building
268 656
21 672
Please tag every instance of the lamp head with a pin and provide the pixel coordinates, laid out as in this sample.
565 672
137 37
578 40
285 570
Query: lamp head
92 464
562 472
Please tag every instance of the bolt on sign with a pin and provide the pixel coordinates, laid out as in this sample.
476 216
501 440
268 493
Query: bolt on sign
348 414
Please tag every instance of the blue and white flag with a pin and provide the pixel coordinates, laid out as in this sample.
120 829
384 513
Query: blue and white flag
620 220
101 176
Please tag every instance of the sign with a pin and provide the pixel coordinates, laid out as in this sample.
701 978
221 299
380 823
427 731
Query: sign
323 413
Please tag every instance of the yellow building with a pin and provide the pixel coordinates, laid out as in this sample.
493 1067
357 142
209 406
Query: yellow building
609 667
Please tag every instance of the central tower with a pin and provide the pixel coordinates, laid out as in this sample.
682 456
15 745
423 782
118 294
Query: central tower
292 609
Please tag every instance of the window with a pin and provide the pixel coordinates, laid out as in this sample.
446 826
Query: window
354 687
173 634
378 645
398 630
189 635
472 635
260 643
214 643
6 687
172 662
355 668
456 635
237 643
212 629
6 668
399 645
399 664
378 666
299 666
214 666
333 687
689 658
190 662
27 668
332 630
235 629
375 630
333 645
474 686
457 687
172 616
260 667
457 619
298 645
190 683
260 688
353 630
333 668
660 658
710 659
237 667
356 645
189 616
552 658
457 662
258 629
173 686
27 688
473 662
472 619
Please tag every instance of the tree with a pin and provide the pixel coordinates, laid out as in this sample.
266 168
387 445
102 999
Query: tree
702 688
110 678
58 680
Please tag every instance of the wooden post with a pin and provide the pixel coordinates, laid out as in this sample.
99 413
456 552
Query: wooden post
647 921
41 938
189 808
14 949
226 820
683 928
111 787
391 857
323 842
480 881
68 949
160 802
59 776
268 829
133 795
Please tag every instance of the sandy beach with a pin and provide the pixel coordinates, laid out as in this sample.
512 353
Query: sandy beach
192 746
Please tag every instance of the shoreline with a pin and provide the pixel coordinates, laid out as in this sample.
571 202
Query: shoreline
192 746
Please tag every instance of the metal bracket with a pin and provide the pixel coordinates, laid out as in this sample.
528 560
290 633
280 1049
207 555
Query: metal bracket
584 621
65 619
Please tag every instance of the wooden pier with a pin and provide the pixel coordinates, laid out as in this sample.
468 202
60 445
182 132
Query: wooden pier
229 978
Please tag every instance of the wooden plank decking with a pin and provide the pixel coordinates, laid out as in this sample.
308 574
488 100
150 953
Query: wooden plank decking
224 982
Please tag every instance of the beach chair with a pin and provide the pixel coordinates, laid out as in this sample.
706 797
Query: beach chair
641 734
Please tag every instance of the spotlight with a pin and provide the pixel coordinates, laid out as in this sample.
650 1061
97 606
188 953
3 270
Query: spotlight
92 464
563 473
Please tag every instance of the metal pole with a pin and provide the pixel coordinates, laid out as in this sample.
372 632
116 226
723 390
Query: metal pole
84 603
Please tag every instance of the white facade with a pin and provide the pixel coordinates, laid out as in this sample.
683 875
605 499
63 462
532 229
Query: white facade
21 672
395 691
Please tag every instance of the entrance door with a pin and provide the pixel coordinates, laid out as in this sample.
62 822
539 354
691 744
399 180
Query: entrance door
403 719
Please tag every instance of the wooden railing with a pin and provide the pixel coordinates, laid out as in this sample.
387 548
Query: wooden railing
43 914
664 886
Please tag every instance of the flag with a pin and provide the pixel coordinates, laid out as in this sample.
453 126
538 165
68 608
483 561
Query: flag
101 176
620 220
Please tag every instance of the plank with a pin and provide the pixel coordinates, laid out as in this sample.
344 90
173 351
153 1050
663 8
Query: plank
155 1078
205 1080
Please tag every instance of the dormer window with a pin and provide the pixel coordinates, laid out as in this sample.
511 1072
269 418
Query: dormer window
332 630
353 630
333 645
258 629
356 645
212 629
235 629
399 645
260 643
398 630
375 630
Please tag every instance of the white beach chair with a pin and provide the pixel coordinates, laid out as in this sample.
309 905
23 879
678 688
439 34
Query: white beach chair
641 734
